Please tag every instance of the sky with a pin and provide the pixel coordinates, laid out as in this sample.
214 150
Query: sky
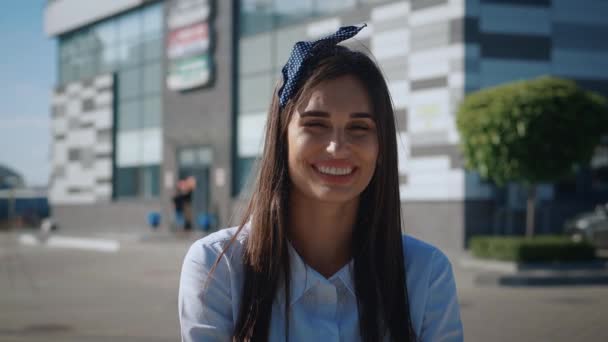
27 76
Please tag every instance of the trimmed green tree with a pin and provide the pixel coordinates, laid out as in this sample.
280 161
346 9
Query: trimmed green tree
530 132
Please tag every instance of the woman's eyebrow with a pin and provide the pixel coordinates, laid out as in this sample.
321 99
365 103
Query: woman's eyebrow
314 113
361 115
318 113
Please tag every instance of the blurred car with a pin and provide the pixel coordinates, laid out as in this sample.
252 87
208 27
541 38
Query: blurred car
591 226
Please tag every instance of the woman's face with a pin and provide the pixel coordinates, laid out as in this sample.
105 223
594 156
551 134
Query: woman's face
333 142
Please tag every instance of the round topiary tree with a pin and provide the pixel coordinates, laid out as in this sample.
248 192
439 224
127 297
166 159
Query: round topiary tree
530 132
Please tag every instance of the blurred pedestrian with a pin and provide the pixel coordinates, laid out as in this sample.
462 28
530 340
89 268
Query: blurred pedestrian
319 252
178 206
188 187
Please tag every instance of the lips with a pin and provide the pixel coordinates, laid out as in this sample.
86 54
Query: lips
335 172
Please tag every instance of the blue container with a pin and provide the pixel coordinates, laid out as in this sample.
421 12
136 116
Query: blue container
205 221
154 219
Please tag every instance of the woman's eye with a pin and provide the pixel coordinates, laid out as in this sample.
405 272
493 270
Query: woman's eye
315 124
359 127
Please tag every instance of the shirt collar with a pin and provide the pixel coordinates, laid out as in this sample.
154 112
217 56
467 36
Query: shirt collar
303 277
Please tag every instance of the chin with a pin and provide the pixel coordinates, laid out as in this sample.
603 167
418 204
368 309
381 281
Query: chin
335 195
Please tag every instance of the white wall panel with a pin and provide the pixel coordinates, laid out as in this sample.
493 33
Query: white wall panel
400 93
151 146
103 169
389 44
128 149
396 10
453 9
251 134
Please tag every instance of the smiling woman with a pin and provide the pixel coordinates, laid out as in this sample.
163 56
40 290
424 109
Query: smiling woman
319 254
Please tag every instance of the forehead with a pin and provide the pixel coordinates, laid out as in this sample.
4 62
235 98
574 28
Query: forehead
345 94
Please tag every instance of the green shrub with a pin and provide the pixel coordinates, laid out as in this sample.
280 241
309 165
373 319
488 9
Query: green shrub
544 248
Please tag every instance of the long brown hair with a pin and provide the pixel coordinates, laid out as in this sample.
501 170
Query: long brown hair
379 270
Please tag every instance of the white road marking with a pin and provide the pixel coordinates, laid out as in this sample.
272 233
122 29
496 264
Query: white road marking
100 245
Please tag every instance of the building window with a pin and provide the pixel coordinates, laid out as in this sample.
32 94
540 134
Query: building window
137 182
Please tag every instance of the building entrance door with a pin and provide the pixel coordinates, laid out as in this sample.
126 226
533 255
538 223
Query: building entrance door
196 162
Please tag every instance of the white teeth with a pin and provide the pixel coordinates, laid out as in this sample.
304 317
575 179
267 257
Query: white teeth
336 171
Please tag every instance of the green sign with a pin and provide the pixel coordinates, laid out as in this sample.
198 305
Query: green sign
189 72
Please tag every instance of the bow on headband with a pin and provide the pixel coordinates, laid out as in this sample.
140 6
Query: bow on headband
295 67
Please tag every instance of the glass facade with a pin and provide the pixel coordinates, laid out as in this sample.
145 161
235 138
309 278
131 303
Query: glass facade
266 15
129 45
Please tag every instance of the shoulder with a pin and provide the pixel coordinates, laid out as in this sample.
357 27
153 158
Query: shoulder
209 286
206 250
432 292
425 264
420 253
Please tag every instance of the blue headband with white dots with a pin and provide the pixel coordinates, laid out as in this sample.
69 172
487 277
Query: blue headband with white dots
295 67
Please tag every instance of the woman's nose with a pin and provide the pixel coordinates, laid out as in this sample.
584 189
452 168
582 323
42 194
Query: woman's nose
338 145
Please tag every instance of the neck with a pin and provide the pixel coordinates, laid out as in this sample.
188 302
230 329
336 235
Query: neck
321 232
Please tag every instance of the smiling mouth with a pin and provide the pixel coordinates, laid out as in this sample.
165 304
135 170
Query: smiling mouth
334 171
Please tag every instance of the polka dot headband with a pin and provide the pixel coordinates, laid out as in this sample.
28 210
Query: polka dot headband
294 70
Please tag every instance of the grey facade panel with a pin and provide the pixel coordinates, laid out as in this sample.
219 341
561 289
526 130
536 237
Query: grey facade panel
428 83
74 154
422 4
88 105
428 36
58 111
508 46
453 151
401 118
121 217
439 223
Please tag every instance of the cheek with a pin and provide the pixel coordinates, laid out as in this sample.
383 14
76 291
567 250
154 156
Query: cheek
302 147
370 151
296 148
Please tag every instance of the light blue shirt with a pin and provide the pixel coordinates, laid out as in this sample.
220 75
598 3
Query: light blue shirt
321 309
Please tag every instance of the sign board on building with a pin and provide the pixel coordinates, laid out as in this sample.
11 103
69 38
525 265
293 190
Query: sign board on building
189 44
186 12
189 72
188 40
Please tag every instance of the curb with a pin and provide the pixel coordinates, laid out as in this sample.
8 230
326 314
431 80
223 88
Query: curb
518 280
501 273
68 242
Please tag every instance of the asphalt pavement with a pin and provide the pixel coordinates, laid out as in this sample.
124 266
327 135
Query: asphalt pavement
130 294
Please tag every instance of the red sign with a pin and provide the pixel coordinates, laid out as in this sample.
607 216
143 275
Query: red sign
188 40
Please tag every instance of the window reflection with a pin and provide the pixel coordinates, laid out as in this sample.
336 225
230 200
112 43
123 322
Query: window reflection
152 109
129 26
333 6
288 12
152 22
107 33
130 116
256 16
129 54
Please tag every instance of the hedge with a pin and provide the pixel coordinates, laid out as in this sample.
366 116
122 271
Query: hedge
542 248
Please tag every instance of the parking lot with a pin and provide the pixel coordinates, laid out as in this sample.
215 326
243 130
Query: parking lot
131 295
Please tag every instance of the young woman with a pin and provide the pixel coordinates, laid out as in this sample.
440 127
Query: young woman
320 254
